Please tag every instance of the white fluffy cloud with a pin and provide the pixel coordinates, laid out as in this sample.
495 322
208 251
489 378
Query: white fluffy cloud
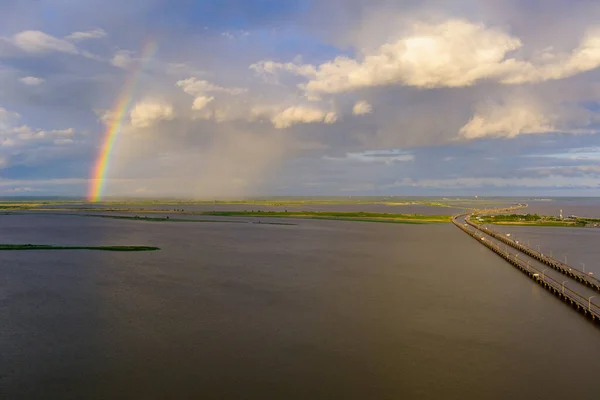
31 81
91 34
521 117
23 145
553 66
507 121
362 108
40 42
455 53
200 89
302 114
148 112
201 102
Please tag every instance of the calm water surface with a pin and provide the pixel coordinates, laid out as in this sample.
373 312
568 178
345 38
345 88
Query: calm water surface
322 309
573 245
589 207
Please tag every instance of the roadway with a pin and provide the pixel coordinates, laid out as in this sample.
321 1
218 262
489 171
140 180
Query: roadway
581 277
546 273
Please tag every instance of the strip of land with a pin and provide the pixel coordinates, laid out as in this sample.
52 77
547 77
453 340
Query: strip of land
273 202
153 219
336 216
344 216
535 220
10 247
169 219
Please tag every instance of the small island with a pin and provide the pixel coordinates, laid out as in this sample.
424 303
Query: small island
11 247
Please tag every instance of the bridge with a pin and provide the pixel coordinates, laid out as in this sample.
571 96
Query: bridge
563 268
579 298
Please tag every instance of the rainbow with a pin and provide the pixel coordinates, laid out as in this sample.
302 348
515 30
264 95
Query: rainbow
118 116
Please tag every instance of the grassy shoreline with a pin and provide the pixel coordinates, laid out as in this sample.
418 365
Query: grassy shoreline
333 216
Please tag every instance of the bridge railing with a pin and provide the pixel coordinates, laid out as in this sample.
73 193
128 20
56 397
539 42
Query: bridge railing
584 304
556 264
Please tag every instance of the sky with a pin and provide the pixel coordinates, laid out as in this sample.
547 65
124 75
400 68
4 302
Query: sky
301 97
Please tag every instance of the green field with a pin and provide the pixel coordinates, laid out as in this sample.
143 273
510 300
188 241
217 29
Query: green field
534 220
33 203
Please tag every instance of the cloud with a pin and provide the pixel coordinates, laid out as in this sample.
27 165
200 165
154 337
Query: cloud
38 42
91 34
7 117
301 114
22 190
489 73
284 117
507 122
455 53
585 57
197 87
234 35
578 154
180 68
375 156
32 81
264 68
554 180
567 171
148 112
26 146
123 59
42 182
25 133
330 118
362 108
519 117
200 89
201 102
